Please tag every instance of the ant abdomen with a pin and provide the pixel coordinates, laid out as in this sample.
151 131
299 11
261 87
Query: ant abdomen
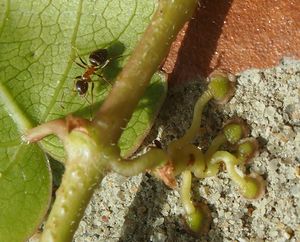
99 57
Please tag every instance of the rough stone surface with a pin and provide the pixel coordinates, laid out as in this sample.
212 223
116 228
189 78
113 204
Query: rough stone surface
141 208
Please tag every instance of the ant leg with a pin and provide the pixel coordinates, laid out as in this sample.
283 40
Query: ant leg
102 77
118 57
90 105
79 64
82 61
92 92
61 101
87 100
77 78
74 91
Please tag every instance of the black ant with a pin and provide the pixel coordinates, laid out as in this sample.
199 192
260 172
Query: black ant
98 60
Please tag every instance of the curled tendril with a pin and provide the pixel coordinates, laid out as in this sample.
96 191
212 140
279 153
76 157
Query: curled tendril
188 159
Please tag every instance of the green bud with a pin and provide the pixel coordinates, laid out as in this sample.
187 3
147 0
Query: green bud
200 220
233 133
235 130
247 149
195 221
221 87
253 187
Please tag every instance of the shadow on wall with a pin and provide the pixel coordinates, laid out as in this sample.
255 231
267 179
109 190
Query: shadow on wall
235 36
200 40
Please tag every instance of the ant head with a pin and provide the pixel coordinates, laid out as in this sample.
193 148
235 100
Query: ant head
81 87
98 57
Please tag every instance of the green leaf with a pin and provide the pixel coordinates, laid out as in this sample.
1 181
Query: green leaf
143 117
25 192
39 43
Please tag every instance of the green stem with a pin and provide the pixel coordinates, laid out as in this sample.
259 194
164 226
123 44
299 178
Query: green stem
251 187
57 127
153 158
85 168
72 198
212 169
90 153
193 131
217 142
197 217
91 149
197 116
230 161
144 61
186 192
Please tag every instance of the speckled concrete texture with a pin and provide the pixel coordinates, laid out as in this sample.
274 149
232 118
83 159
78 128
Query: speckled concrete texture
142 208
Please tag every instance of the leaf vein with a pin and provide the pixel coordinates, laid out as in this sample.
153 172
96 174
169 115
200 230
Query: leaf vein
13 110
5 16
129 21
68 67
